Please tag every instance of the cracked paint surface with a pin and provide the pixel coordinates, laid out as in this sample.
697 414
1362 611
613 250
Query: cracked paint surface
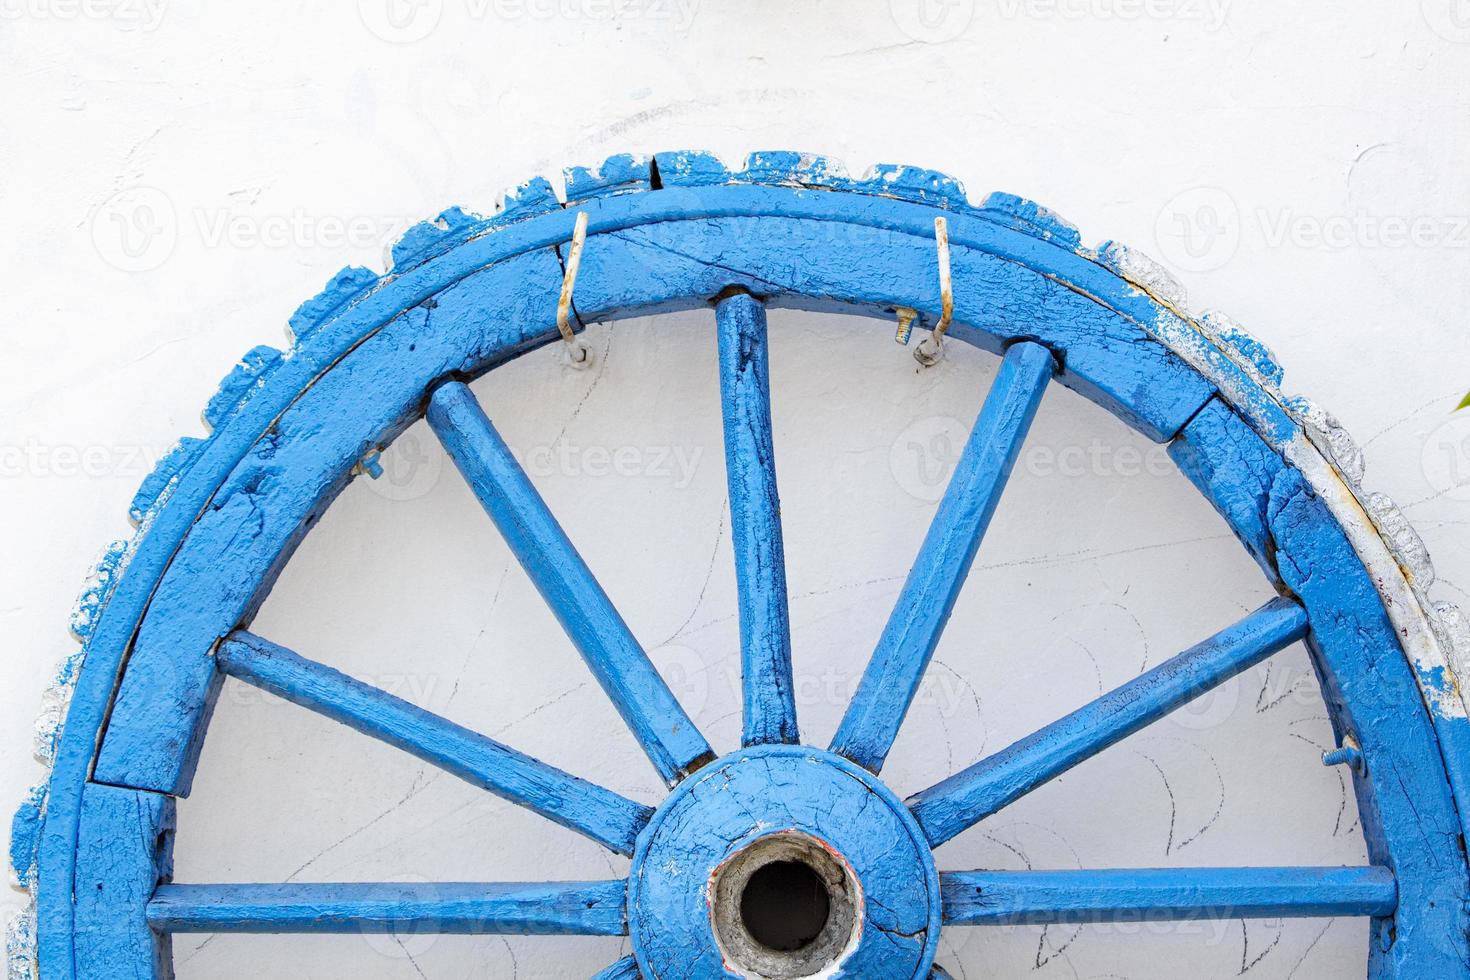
768 790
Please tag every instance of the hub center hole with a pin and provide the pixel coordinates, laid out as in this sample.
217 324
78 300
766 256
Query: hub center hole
785 906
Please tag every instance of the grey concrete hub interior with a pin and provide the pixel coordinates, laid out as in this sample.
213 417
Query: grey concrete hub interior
745 943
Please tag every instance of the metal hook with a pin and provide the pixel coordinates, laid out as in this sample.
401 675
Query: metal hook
578 353
931 349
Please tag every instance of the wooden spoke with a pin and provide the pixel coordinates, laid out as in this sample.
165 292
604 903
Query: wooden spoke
973 794
574 908
1037 897
755 522
600 814
621 666
893 674
624 969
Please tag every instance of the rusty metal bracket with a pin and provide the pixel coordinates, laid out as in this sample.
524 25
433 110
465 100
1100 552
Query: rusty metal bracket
931 349
579 354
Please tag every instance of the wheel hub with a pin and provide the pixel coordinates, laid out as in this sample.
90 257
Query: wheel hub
781 862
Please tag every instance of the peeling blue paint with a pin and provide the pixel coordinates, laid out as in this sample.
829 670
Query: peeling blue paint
158 484
97 589
25 835
430 238
237 386
1033 219
345 287
621 174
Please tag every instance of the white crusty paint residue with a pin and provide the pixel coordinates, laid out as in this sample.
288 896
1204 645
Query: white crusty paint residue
1333 465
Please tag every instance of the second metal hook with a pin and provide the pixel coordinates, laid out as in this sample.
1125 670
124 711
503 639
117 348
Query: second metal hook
578 353
931 348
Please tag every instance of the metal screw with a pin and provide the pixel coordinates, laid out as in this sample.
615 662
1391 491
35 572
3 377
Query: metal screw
1349 755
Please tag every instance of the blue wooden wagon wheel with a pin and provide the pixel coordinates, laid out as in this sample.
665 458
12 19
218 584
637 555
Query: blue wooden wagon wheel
774 824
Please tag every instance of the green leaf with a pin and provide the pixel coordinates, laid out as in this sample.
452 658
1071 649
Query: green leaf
1463 404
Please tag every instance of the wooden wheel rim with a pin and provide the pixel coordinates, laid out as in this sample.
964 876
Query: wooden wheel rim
466 295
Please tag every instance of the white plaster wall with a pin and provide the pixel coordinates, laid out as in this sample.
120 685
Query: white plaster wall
179 177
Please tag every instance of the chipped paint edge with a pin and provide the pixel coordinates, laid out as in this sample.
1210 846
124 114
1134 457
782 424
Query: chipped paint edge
1433 635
